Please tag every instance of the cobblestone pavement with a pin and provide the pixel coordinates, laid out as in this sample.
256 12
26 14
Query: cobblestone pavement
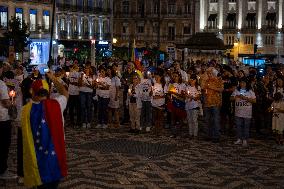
116 159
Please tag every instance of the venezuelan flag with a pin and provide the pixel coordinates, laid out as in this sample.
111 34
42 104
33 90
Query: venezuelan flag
177 104
135 58
44 155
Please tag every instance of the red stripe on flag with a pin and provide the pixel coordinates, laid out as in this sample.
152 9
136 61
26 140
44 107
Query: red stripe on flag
55 123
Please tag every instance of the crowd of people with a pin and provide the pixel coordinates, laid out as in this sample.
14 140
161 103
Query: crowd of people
162 99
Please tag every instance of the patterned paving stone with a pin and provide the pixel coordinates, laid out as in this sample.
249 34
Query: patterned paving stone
116 159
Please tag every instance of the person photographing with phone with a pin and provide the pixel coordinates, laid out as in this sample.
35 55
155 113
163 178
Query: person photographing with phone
44 155
244 97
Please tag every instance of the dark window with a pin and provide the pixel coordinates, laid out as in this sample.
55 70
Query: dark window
251 20
212 21
186 30
231 21
171 8
171 33
140 29
125 7
141 8
271 20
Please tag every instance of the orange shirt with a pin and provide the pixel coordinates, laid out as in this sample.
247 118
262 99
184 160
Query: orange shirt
213 97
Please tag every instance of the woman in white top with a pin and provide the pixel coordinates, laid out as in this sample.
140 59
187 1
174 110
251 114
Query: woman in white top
192 105
114 100
277 108
103 83
158 103
135 104
86 81
244 98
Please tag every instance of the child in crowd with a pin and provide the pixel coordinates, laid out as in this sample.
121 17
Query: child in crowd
135 104
244 97
192 105
158 103
114 100
277 108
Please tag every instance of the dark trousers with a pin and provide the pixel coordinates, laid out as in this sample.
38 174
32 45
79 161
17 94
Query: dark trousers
102 110
74 107
125 106
20 171
5 141
86 107
52 185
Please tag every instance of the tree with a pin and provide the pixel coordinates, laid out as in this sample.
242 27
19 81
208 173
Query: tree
17 35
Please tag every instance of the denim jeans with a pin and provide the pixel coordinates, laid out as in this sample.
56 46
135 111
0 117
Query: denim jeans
86 107
212 118
73 104
243 125
146 114
102 110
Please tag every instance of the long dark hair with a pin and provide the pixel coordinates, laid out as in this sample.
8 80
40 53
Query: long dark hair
248 86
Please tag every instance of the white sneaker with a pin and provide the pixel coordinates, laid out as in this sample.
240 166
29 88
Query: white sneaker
84 125
98 126
104 126
8 175
148 129
88 125
239 141
245 143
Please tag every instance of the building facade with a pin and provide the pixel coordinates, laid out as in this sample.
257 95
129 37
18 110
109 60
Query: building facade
158 24
37 15
81 22
251 26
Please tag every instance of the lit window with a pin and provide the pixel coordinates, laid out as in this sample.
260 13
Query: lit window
46 19
33 20
19 14
3 17
249 40
62 24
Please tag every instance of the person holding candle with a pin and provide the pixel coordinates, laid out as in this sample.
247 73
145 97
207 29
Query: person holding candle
74 100
5 130
176 105
243 97
114 99
146 101
135 104
103 84
86 83
192 105
158 103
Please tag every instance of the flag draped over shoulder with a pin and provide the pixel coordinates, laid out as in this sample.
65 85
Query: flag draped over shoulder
135 58
44 155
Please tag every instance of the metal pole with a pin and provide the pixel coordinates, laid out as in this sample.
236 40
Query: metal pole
51 31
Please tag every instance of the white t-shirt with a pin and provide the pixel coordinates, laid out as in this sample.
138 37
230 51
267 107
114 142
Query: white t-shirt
62 100
184 75
158 91
243 108
146 88
4 116
192 91
87 81
115 82
73 78
104 81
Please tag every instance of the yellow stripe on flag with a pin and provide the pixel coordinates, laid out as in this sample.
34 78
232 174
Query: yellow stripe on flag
31 172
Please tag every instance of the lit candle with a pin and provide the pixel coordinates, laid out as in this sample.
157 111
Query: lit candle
97 80
12 94
148 72
129 91
67 74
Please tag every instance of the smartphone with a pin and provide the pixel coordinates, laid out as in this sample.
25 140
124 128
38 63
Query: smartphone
45 70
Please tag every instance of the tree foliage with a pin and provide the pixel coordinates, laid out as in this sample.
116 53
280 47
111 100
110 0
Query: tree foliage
17 34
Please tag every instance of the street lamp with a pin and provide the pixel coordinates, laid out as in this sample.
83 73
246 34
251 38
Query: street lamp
114 40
